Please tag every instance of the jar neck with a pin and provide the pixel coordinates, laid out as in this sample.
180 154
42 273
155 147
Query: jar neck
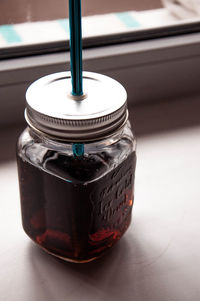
100 143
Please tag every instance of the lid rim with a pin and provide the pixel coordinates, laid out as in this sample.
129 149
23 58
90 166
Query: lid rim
72 138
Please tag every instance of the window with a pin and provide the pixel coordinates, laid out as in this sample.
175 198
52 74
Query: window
27 26
154 60
29 11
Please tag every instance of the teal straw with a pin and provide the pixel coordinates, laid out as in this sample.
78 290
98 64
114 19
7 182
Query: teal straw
76 46
76 59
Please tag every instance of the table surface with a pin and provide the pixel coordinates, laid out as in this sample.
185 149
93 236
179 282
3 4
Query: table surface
158 258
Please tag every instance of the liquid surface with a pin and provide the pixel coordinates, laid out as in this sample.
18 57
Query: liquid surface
70 218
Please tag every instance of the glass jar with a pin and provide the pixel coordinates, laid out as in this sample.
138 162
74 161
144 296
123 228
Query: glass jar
76 196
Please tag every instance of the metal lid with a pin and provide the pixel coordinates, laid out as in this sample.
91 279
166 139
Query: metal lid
52 109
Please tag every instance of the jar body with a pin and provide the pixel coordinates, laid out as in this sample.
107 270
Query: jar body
76 204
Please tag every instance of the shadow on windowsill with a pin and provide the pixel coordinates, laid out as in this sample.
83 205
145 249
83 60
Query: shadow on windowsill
160 117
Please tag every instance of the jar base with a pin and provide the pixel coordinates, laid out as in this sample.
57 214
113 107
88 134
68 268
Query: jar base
67 259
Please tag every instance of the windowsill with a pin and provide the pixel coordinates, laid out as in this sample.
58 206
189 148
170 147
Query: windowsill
157 256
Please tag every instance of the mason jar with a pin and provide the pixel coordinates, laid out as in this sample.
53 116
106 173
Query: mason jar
76 165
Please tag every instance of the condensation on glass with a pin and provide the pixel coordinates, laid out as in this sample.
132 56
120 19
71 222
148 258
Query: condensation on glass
76 167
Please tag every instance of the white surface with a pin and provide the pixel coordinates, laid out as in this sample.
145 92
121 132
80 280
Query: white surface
158 258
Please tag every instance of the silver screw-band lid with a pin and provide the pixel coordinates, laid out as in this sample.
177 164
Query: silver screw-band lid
51 109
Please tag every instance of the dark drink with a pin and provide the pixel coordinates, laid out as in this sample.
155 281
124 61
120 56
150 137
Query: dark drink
70 214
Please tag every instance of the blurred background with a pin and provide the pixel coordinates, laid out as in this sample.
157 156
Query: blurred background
19 11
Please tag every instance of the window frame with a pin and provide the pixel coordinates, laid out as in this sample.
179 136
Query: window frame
157 69
143 34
